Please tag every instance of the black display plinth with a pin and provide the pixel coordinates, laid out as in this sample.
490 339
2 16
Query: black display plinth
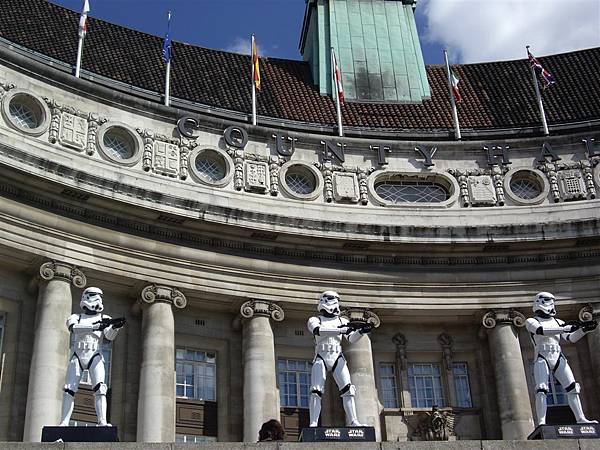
80 434
576 431
339 434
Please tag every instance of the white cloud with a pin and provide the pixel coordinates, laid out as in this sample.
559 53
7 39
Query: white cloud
487 30
242 45
239 45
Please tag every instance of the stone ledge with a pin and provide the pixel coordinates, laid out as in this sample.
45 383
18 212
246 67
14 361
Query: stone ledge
589 444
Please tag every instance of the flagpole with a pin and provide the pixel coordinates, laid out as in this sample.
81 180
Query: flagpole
334 86
452 99
79 54
539 96
254 118
168 70
82 32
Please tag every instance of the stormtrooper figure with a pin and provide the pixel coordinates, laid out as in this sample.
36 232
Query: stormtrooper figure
546 331
88 330
328 329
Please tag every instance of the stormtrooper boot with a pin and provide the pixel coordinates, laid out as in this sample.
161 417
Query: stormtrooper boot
100 400
314 409
575 404
541 406
67 409
350 409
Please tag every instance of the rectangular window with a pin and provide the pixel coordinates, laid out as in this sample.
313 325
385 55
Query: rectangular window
425 385
196 374
294 382
387 385
194 438
460 372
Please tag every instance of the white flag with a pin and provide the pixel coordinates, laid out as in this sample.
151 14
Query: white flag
83 19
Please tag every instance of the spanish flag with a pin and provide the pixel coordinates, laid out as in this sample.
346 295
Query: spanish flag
255 65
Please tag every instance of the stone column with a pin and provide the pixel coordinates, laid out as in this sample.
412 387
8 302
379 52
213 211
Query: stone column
156 399
360 362
261 401
511 384
50 347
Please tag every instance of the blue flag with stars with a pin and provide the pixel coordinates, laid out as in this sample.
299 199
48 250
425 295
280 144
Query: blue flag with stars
167 51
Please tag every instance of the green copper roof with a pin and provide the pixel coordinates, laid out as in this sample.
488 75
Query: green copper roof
377 46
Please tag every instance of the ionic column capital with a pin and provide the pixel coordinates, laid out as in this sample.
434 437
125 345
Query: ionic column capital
156 293
63 271
498 316
589 311
362 315
263 308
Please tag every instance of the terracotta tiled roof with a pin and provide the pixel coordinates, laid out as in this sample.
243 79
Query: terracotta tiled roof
495 95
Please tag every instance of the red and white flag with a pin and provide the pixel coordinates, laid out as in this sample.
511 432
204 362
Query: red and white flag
338 78
454 79
83 19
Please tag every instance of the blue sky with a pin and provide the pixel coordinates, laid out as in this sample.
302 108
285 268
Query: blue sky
472 30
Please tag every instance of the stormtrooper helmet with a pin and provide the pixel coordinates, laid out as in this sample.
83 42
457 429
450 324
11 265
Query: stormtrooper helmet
544 302
91 299
329 302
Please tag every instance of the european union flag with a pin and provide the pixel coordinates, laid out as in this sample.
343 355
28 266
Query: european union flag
167 51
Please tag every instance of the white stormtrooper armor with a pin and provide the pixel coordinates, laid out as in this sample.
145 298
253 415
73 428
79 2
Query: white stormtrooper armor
328 330
88 332
546 331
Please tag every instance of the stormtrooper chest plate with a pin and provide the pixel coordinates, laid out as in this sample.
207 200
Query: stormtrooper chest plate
548 344
329 347
86 343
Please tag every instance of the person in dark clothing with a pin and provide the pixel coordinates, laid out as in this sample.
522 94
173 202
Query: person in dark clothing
271 430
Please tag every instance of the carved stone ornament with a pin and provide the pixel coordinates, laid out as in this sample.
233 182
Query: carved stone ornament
445 341
437 425
72 127
345 187
256 176
5 87
337 185
165 155
166 159
550 170
73 131
590 312
165 294
400 340
262 308
481 187
493 317
62 271
95 121
482 190
362 315
238 168
572 184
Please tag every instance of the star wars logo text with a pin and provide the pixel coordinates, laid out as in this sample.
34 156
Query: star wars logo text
332 433
356 434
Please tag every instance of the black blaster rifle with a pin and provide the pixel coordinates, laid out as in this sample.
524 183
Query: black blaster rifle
585 325
362 327
119 322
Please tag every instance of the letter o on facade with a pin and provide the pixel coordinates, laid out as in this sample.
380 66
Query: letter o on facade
236 137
